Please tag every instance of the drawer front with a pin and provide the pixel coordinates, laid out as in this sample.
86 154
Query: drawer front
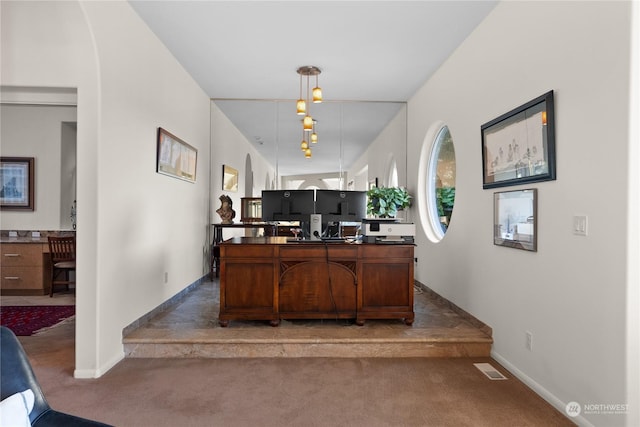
307 250
28 254
386 251
22 277
246 251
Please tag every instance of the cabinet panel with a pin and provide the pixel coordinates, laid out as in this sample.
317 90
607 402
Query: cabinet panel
248 285
386 251
385 276
311 250
22 277
25 268
246 251
15 254
385 284
317 289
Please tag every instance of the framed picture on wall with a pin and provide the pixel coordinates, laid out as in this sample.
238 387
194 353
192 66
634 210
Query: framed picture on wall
515 219
519 146
229 179
175 157
17 183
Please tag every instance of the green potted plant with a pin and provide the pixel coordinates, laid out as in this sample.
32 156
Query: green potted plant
384 202
445 197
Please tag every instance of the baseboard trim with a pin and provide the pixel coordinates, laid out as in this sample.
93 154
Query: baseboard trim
539 390
97 373
171 302
477 323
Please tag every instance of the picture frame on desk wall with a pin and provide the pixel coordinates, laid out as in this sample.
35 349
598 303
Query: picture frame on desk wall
17 184
515 219
519 146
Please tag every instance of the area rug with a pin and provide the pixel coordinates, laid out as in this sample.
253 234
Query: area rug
25 320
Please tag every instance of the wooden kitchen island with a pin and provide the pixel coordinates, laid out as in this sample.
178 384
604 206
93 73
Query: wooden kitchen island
271 278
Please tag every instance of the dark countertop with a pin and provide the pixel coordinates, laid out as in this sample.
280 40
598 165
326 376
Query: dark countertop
25 236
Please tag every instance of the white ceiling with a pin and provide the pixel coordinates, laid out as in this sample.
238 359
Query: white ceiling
244 55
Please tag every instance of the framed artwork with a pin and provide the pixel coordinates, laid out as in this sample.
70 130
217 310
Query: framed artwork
519 147
372 183
229 179
515 219
175 157
17 183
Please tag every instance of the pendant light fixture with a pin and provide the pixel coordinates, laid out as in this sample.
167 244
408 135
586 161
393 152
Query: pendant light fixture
303 105
304 145
314 135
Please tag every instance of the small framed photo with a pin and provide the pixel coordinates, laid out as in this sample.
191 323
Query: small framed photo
17 183
519 147
515 219
175 157
229 179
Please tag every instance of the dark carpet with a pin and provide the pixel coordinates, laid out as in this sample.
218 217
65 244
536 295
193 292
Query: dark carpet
286 392
25 320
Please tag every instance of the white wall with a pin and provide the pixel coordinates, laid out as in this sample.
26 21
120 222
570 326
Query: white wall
570 294
36 131
133 224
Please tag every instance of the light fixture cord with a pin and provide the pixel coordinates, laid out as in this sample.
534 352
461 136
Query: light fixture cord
300 86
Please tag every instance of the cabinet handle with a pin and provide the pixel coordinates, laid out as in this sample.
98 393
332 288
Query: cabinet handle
11 278
12 255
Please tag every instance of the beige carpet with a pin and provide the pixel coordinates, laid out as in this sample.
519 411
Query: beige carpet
285 392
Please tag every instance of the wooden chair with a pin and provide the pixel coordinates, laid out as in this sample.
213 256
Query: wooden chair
63 260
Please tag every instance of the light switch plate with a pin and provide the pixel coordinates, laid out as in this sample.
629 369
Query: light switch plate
580 225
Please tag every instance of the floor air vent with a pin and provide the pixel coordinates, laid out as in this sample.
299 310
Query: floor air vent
491 372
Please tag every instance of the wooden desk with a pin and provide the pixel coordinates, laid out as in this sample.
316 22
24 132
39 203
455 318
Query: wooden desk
271 279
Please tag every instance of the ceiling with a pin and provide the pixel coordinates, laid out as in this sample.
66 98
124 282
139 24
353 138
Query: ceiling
373 55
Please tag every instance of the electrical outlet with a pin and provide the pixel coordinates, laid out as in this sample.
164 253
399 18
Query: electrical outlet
166 277
529 341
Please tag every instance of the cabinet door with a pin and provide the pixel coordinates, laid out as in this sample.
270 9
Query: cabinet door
26 270
385 277
385 284
317 289
248 285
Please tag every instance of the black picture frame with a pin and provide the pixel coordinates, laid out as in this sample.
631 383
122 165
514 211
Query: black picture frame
17 183
519 147
515 219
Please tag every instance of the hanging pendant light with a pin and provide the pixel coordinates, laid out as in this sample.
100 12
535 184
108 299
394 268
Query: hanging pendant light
303 106
317 92
304 145
307 123
314 135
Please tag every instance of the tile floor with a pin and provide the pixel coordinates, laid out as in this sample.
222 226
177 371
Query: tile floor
190 329
58 298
